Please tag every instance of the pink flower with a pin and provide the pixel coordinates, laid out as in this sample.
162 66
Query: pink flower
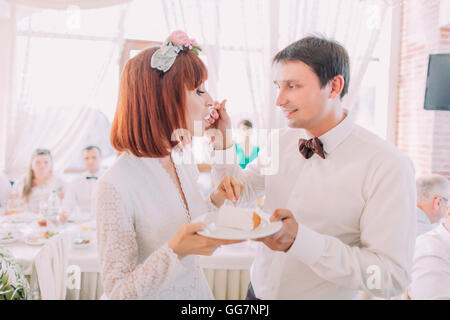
193 43
179 38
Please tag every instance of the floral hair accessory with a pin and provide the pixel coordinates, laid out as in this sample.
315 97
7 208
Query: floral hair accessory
164 57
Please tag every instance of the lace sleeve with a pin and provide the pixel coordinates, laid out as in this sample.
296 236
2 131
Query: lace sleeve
121 276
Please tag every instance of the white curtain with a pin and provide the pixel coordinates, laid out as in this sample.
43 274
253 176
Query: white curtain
354 24
256 30
6 71
63 4
239 38
59 92
230 34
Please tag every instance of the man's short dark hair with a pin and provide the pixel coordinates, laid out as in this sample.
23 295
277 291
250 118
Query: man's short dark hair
326 57
93 147
246 123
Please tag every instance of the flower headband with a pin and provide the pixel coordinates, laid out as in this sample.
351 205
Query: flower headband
164 57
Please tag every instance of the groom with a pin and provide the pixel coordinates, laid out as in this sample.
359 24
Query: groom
346 198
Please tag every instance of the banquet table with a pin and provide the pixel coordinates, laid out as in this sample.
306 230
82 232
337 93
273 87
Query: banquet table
227 270
84 259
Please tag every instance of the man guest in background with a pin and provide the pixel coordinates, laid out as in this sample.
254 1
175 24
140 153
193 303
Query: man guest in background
431 267
80 190
433 192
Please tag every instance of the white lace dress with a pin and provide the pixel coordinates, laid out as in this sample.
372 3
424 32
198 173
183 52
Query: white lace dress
138 209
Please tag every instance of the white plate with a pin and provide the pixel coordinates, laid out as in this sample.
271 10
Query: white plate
38 242
24 217
81 219
212 230
15 235
40 238
82 246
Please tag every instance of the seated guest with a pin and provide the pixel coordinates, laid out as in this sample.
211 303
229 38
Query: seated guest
39 183
245 151
430 277
79 191
433 192
5 191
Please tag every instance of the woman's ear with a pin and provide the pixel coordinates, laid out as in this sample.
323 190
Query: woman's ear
337 85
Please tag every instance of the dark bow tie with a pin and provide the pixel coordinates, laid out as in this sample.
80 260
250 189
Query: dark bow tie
308 147
93 177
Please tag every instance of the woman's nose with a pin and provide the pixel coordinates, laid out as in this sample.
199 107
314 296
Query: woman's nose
209 101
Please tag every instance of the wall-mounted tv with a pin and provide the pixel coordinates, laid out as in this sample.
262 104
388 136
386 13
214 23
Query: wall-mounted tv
437 93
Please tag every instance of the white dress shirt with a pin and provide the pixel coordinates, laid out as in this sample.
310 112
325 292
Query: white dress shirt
423 223
356 215
431 268
80 191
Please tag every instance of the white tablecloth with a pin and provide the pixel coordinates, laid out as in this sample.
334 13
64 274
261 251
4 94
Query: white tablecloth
86 259
227 270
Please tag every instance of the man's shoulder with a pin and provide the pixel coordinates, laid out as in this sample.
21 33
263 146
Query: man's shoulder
379 150
430 244
374 142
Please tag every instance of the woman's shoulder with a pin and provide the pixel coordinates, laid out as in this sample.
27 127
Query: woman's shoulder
122 167
127 171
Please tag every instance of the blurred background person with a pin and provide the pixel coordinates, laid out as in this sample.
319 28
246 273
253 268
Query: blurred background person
430 276
79 191
433 192
246 152
35 188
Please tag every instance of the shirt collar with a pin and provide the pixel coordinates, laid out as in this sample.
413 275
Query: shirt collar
88 174
332 138
422 216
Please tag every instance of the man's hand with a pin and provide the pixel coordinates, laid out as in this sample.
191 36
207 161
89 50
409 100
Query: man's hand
283 239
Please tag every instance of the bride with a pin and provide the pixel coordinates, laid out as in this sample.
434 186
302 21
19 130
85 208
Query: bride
145 202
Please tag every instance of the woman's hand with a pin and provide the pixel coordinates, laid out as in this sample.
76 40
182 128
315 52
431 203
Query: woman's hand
229 188
186 241
221 122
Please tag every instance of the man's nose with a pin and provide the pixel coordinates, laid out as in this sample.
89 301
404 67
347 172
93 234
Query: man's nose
281 99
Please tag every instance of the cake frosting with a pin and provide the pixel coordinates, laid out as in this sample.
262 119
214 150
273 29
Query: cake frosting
238 218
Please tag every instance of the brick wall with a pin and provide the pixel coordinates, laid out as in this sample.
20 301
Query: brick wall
423 134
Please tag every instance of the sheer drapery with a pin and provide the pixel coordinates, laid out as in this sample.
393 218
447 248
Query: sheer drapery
246 29
233 36
48 108
64 62
354 24
63 4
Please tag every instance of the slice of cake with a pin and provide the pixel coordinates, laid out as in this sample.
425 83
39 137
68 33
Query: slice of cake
238 218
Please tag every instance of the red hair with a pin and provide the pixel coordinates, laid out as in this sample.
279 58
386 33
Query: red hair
151 106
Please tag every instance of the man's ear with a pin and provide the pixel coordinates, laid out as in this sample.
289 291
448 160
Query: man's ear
336 85
437 202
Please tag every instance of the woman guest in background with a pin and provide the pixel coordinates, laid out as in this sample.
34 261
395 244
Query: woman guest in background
145 202
39 183
245 151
